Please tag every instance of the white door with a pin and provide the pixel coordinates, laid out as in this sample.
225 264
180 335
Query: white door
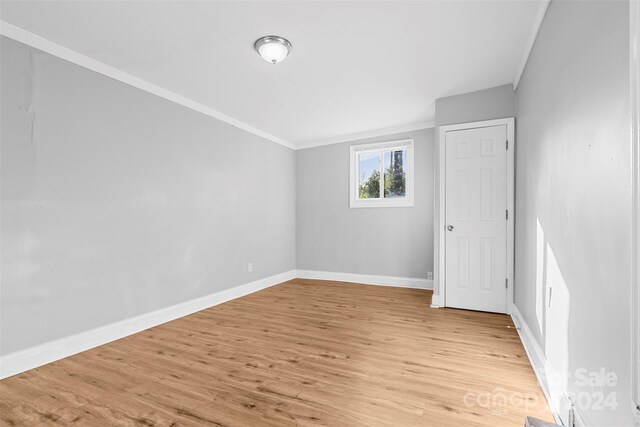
476 219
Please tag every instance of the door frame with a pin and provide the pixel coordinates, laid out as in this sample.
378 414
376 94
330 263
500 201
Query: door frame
439 295
634 56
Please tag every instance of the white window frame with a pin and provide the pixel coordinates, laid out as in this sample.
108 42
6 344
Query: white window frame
407 200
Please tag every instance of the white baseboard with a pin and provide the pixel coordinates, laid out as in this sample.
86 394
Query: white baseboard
436 301
367 279
561 406
23 360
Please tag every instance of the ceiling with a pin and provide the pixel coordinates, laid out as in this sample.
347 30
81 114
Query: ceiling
356 66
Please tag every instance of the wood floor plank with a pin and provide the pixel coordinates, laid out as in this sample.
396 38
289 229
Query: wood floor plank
305 352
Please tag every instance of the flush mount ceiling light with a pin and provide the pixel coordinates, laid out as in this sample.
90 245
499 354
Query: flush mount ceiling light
273 49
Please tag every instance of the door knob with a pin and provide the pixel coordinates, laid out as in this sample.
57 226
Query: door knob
450 227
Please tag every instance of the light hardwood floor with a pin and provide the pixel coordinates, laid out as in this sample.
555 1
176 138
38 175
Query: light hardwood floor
304 352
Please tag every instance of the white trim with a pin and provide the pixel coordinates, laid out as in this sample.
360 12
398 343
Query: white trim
439 233
354 172
538 361
55 49
23 360
436 301
367 279
634 14
511 206
365 135
537 22
26 37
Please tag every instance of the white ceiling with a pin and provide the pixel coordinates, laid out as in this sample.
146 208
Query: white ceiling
356 66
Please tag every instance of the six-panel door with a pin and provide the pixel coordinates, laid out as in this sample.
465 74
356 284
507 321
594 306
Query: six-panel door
475 212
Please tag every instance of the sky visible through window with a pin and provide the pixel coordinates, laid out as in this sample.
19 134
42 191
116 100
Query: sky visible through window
391 178
369 162
380 172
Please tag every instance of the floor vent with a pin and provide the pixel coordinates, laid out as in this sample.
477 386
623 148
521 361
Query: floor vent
534 422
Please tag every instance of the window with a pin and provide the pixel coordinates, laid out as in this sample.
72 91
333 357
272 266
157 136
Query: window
382 174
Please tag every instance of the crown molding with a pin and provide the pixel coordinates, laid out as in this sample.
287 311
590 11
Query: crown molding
28 38
37 42
368 134
542 10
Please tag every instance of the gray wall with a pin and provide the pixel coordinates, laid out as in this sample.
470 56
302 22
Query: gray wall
378 241
493 103
573 196
116 202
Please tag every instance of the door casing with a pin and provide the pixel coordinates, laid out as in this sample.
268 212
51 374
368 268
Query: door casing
439 299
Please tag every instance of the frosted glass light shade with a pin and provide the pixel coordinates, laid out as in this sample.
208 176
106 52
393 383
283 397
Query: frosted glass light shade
273 49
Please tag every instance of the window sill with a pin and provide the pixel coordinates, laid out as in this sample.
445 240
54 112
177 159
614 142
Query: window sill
381 204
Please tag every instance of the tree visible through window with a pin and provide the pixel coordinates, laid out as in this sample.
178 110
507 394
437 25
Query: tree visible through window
369 165
381 173
394 173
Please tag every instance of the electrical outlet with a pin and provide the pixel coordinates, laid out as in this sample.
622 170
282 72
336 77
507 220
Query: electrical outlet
250 267
430 275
